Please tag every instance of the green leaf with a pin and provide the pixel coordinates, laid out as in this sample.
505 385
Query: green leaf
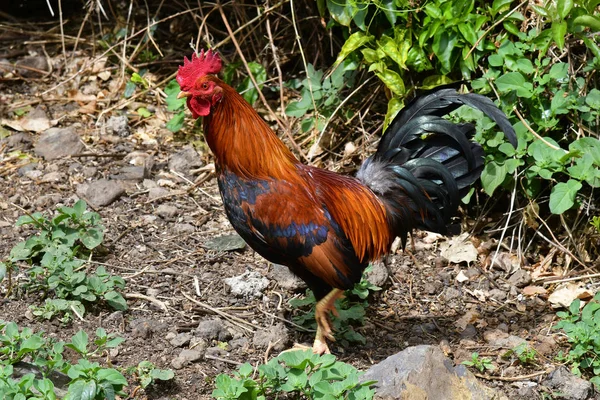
115 300
144 112
173 103
589 21
492 176
389 9
34 218
112 376
563 7
514 81
562 196
176 123
79 342
559 30
82 390
341 11
499 6
91 238
593 99
390 78
443 46
354 41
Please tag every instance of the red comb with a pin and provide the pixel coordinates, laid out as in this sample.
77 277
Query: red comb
206 63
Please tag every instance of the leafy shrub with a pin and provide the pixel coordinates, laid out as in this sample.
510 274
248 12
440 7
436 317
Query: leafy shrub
582 327
505 48
300 374
56 258
88 379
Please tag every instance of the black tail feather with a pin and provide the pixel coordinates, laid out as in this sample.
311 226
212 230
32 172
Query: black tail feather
424 163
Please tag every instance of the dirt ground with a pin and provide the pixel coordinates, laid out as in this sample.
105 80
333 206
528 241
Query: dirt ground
162 253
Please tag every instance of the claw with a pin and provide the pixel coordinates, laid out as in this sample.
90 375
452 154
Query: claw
324 330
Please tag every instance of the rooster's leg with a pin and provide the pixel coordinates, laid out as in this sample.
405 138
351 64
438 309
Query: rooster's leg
324 331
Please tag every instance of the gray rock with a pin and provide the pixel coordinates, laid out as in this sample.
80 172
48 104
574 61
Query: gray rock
186 357
450 293
145 328
500 339
27 168
569 386
378 273
89 171
52 177
156 192
34 174
57 143
132 173
285 278
167 211
101 192
184 228
18 141
185 160
520 278
181 339
498 294
213 329
32 66
277 336
249 284
423 372
118 125
47 200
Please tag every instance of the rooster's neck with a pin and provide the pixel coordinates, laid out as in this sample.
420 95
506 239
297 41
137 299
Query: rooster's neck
242 141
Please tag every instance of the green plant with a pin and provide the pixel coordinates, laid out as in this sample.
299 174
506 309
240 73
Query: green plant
581 327
350 312
320 95
56 258
524 353
480 363
297 374
148 374
89 379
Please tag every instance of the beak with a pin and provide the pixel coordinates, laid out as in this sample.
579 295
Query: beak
182 94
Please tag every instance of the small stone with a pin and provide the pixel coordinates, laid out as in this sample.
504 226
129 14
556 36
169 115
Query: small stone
156 192
89 172
276 336
32 66
285 278
213 329
47 200
185 160
19 141
184 228
186 357
58 143
497 294
469 332
53 177
378 273
167 211
249 284
569 386
101 192
118 125
132 173
520 278
450 293
34 174
181 339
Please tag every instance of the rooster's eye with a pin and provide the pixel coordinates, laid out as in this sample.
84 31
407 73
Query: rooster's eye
205 86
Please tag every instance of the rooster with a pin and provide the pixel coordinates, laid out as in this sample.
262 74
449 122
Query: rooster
326 227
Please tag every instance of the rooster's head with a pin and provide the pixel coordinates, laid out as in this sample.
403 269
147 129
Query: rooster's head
195 77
